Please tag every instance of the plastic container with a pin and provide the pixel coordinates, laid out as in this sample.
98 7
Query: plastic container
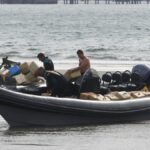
15 70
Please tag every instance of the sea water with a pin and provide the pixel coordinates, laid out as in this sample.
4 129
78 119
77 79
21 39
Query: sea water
114 37
104 32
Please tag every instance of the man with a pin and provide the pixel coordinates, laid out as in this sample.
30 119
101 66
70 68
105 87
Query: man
48 64
57 85
84 63
76 74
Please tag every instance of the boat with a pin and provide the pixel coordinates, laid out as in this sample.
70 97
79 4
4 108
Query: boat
28 110
24 106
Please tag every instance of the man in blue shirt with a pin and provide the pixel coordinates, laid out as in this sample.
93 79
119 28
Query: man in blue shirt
48 64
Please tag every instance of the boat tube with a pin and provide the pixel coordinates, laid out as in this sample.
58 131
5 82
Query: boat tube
26 110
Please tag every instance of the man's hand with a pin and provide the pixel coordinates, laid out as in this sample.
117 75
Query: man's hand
70 70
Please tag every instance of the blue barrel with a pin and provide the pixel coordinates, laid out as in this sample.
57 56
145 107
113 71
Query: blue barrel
15 70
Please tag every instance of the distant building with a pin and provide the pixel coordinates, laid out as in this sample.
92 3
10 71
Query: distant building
28 1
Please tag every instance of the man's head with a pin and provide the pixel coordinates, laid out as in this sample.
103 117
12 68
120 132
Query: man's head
41 57
80 54
39 72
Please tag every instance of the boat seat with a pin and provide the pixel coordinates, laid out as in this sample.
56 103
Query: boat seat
126 76
120 87
117 78
137 80
126 79
112 82
131 87
106 78
104 90
122 82
116 81
106 81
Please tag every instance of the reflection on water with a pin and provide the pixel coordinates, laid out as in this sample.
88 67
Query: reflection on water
117 136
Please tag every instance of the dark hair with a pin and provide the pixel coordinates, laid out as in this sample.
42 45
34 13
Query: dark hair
40 55
79 52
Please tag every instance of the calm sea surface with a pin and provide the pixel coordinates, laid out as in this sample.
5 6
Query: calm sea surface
109 34
105 32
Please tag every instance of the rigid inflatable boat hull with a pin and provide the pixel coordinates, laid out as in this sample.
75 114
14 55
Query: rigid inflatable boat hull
29 117
24 110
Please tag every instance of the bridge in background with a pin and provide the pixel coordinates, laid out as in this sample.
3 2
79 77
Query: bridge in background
28 1
74 1
106 1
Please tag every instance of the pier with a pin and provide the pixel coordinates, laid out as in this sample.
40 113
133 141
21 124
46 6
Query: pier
1 1
106 1
74 1
28 1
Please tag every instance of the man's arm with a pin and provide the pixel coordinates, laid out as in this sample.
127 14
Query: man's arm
82 66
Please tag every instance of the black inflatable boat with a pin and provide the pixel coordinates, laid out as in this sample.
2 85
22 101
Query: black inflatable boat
20 109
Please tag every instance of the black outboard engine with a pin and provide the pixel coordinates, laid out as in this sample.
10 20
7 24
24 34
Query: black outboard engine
142 70
90 82
141 75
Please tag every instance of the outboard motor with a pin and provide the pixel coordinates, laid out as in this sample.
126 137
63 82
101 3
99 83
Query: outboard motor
143 71
90 82
141 75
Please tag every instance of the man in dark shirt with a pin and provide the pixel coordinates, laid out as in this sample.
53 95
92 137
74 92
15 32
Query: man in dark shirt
57 85
48 64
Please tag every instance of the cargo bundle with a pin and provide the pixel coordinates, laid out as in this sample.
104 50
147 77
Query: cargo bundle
22 73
